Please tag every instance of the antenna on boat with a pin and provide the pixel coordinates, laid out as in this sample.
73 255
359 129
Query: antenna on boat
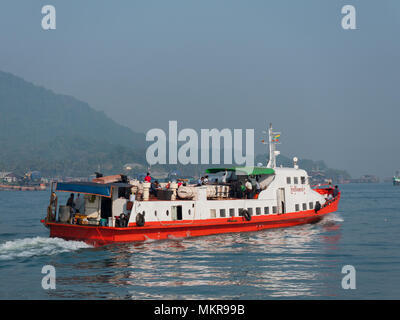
273 140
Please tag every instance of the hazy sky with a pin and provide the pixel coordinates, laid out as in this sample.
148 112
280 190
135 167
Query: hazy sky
333 93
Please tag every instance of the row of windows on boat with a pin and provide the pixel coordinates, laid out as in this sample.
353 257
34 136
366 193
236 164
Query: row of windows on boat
232 211
296 180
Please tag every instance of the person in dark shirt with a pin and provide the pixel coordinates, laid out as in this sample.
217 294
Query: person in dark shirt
70 203
154 187
335 192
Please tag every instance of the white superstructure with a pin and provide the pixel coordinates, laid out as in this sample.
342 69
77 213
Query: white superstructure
283 190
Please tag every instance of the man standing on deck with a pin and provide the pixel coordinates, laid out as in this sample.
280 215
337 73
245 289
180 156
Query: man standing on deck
80 204
71 204
258 187
335 192
249 189
147 178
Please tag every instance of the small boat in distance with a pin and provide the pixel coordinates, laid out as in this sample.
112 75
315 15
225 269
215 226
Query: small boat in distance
235 199
396 179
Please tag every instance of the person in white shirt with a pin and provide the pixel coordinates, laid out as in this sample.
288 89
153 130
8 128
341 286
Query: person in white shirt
249 189
258 187
80 204
224 176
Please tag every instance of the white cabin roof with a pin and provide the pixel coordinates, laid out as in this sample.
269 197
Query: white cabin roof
290 171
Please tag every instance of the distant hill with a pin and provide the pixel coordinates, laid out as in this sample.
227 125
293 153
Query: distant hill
58 134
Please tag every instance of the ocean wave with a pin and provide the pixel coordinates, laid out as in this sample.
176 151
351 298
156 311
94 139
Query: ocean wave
333 217
38 246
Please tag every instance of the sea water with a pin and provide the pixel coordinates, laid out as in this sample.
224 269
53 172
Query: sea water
303 262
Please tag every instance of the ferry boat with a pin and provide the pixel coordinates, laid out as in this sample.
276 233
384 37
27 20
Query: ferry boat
114 209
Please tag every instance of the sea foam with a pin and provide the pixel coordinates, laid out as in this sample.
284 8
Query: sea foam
37 246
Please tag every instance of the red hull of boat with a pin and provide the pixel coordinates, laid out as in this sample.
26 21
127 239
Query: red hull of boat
96 235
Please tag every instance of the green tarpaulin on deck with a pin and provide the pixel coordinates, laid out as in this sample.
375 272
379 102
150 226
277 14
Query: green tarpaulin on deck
250 171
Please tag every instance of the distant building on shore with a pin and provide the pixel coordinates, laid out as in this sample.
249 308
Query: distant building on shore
11 178
29 178
367 178
3 174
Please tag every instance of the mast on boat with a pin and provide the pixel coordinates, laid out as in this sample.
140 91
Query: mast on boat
273 140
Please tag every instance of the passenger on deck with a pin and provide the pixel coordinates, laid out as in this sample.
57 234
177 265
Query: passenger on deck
147 178
249 189
258 187
242 190
71 204
200 181
205 181
154 187
335 192
224 176
80 204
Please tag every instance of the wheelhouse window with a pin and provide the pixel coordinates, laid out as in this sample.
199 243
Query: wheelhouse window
222 213
250 210
303 180
304 206
288 180
266 210
274 209
297 207
258 211
241 212
232 212
296 180
311 205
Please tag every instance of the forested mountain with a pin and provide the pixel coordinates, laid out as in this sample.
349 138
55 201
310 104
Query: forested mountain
58 134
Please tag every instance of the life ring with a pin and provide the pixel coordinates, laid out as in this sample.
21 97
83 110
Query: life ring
140 220
246 215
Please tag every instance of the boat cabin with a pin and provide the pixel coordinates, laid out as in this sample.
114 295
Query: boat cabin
98 203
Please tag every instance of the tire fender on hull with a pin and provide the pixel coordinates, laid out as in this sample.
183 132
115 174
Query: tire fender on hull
140 221
246 215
